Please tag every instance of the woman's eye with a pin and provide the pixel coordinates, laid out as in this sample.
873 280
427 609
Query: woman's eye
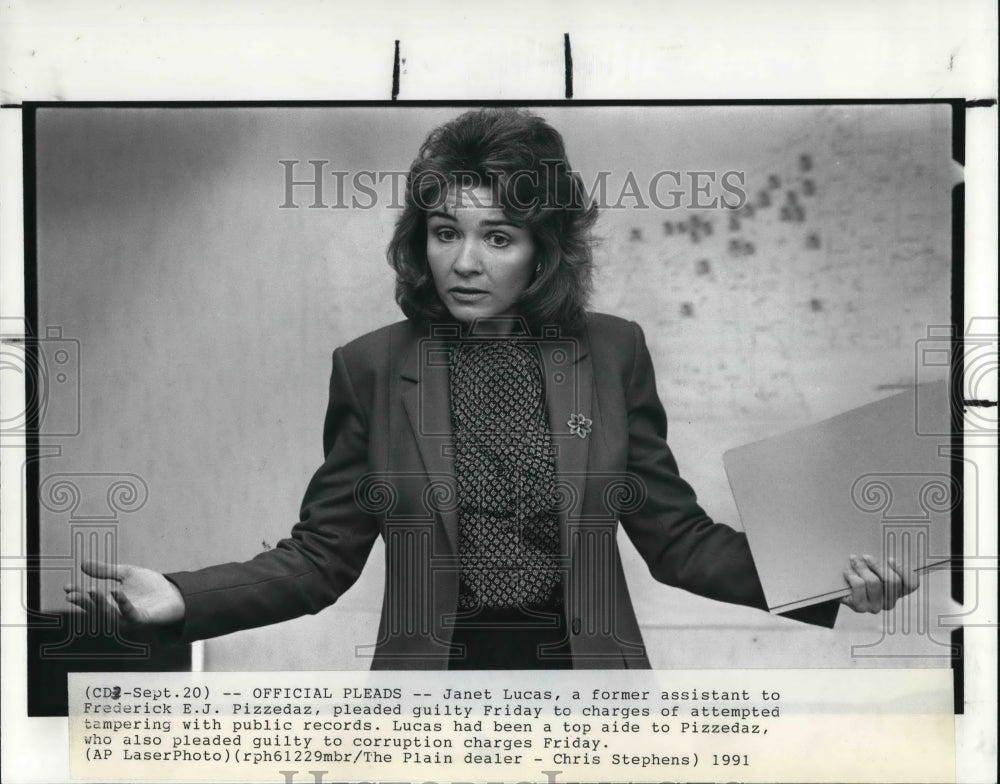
498 240
445 234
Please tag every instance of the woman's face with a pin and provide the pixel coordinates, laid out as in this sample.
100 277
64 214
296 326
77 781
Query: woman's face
481 261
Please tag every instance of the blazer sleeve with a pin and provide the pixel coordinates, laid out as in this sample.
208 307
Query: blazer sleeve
680 543
320 559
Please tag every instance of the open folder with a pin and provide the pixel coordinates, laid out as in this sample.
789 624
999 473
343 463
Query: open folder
875 480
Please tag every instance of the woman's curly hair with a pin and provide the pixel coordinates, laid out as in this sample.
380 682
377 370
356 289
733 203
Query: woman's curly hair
522 160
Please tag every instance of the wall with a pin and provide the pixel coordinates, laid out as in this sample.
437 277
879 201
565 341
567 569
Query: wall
206 315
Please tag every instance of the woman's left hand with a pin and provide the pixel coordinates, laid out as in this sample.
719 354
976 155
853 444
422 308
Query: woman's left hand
876 587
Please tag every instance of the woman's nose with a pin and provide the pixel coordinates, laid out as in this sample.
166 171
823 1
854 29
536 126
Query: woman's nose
467 260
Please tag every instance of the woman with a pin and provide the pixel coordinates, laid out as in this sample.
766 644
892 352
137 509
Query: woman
495 439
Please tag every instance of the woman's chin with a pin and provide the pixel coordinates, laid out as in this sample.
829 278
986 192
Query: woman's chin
466 313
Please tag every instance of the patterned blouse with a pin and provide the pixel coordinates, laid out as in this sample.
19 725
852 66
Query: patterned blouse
508 534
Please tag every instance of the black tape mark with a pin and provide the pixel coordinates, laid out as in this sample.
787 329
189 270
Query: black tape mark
395 73
958 665
981 103
979 403
568 57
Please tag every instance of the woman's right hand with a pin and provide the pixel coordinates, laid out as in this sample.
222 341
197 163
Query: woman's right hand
131 594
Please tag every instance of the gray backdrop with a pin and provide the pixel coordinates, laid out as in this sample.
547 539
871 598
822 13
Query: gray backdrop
206 315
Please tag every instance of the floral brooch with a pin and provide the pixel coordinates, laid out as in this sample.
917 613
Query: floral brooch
579 425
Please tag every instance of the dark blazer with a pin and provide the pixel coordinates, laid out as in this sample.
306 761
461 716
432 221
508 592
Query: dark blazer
388 472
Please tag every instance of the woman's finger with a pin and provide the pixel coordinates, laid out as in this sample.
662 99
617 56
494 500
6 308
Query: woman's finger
873 584
104 605
101 569
858 599
125 606
867 586
81 600
891 585
909 578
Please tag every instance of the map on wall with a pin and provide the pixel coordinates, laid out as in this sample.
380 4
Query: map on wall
836 264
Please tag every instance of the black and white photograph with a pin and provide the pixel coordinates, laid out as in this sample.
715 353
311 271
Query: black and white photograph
399 388
753 269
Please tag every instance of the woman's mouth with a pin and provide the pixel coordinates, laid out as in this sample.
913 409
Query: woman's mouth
466 293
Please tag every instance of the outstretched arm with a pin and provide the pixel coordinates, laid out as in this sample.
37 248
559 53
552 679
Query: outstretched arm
307 571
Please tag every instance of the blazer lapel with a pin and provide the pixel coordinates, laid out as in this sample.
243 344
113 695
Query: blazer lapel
569 390
569 385
426 400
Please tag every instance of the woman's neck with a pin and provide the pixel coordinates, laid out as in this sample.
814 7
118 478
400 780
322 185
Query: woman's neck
496 327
